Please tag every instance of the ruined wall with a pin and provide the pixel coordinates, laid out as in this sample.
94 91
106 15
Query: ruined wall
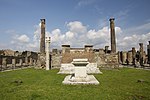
56 60
19 60
99 56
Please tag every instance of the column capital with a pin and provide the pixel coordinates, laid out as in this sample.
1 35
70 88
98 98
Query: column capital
42 20
141 44
112 19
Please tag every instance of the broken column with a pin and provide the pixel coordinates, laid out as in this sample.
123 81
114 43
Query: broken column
31 61
4 63
124 57
148 53
133 55
106 49
13 63
47 53
112 34
129 57
26 61
42 42
20 62
119 57
141 53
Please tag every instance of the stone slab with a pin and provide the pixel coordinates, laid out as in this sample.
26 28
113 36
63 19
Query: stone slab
69 80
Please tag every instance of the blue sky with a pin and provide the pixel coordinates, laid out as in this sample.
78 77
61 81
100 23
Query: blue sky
74 22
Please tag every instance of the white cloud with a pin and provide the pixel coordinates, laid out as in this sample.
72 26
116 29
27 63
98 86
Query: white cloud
23 38
76 27
20 39
69 35
77 35
133 41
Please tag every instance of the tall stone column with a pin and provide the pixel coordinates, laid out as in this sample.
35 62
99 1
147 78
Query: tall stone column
148 53
133 55
42 42
112 34
47 53
141 53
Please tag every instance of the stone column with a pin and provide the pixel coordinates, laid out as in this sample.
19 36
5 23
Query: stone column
31 61
124 57
141 53
26 60
148 53
1 63
13 63
20 62
144 57
47 53
129 57
106 49
4 62
133 55
119 57
42 42
112 34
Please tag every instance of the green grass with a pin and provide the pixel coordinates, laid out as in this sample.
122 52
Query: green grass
47 85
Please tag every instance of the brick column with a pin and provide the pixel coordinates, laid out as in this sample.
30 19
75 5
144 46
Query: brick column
112 34
42 42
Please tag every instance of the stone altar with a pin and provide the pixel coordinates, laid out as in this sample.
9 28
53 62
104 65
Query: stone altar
80 76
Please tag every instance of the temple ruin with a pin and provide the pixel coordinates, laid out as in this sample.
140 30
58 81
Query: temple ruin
97 58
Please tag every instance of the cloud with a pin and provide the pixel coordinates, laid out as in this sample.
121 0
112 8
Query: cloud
76 27
23 38
79 35
141 29
20 39
20 42
133 41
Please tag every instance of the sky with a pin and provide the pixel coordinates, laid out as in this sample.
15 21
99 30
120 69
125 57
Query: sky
74 22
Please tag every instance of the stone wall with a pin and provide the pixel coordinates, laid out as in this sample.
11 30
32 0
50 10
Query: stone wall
99 56
22 59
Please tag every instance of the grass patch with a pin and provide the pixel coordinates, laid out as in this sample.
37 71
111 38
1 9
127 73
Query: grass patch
35 84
